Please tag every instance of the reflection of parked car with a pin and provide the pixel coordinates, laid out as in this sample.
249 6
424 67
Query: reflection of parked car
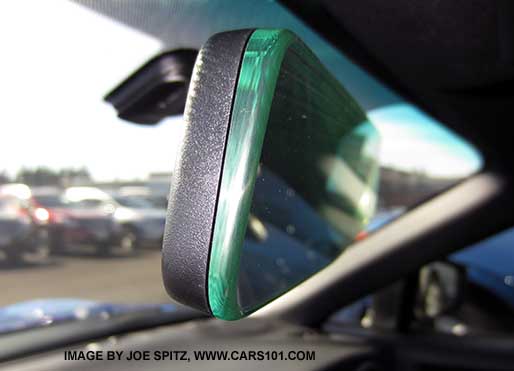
21 236
141 223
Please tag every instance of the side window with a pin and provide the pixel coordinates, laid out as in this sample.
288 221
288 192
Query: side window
473 290
419 158
487 299
470 293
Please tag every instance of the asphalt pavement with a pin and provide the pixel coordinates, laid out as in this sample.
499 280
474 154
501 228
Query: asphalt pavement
83 274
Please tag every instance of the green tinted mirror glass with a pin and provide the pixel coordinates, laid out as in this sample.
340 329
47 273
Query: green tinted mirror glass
299 176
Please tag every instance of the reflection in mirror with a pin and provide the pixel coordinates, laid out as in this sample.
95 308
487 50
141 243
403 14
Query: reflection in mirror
289 210
315 187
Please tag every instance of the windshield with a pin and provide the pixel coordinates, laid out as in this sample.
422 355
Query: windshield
62 134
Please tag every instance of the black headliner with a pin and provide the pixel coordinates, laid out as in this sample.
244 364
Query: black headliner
454 59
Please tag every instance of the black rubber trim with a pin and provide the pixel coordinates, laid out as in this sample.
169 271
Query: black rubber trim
197 175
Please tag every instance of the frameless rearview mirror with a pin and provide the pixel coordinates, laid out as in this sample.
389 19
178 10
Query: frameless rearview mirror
277 174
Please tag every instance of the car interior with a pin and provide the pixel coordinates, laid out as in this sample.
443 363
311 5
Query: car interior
397 255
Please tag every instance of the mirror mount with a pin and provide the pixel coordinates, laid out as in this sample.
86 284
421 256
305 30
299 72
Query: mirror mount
156 90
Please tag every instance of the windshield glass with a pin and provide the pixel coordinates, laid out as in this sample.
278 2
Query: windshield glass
58 132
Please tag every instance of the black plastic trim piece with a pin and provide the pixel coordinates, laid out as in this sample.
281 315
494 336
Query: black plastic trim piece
197 175
156 90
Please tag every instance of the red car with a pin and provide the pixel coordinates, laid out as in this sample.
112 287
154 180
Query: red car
74 224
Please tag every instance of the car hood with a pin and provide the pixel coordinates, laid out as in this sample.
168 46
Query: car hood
44 312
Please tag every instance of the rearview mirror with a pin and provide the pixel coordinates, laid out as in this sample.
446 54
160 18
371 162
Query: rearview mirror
276 176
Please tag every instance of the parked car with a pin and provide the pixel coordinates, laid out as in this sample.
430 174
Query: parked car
142 218
75 223
451 61
145 194
22 236
86 221
50 202
139 222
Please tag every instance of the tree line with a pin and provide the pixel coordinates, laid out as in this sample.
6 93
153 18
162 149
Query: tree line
44 176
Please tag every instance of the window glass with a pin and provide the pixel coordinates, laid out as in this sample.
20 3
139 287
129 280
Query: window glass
471 293
419 158
488 303
59 134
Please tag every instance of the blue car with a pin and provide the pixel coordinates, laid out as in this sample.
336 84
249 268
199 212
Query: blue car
44 312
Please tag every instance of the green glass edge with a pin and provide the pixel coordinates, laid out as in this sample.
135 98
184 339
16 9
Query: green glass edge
258 75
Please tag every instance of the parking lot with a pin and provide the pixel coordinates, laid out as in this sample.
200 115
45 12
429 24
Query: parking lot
82 274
